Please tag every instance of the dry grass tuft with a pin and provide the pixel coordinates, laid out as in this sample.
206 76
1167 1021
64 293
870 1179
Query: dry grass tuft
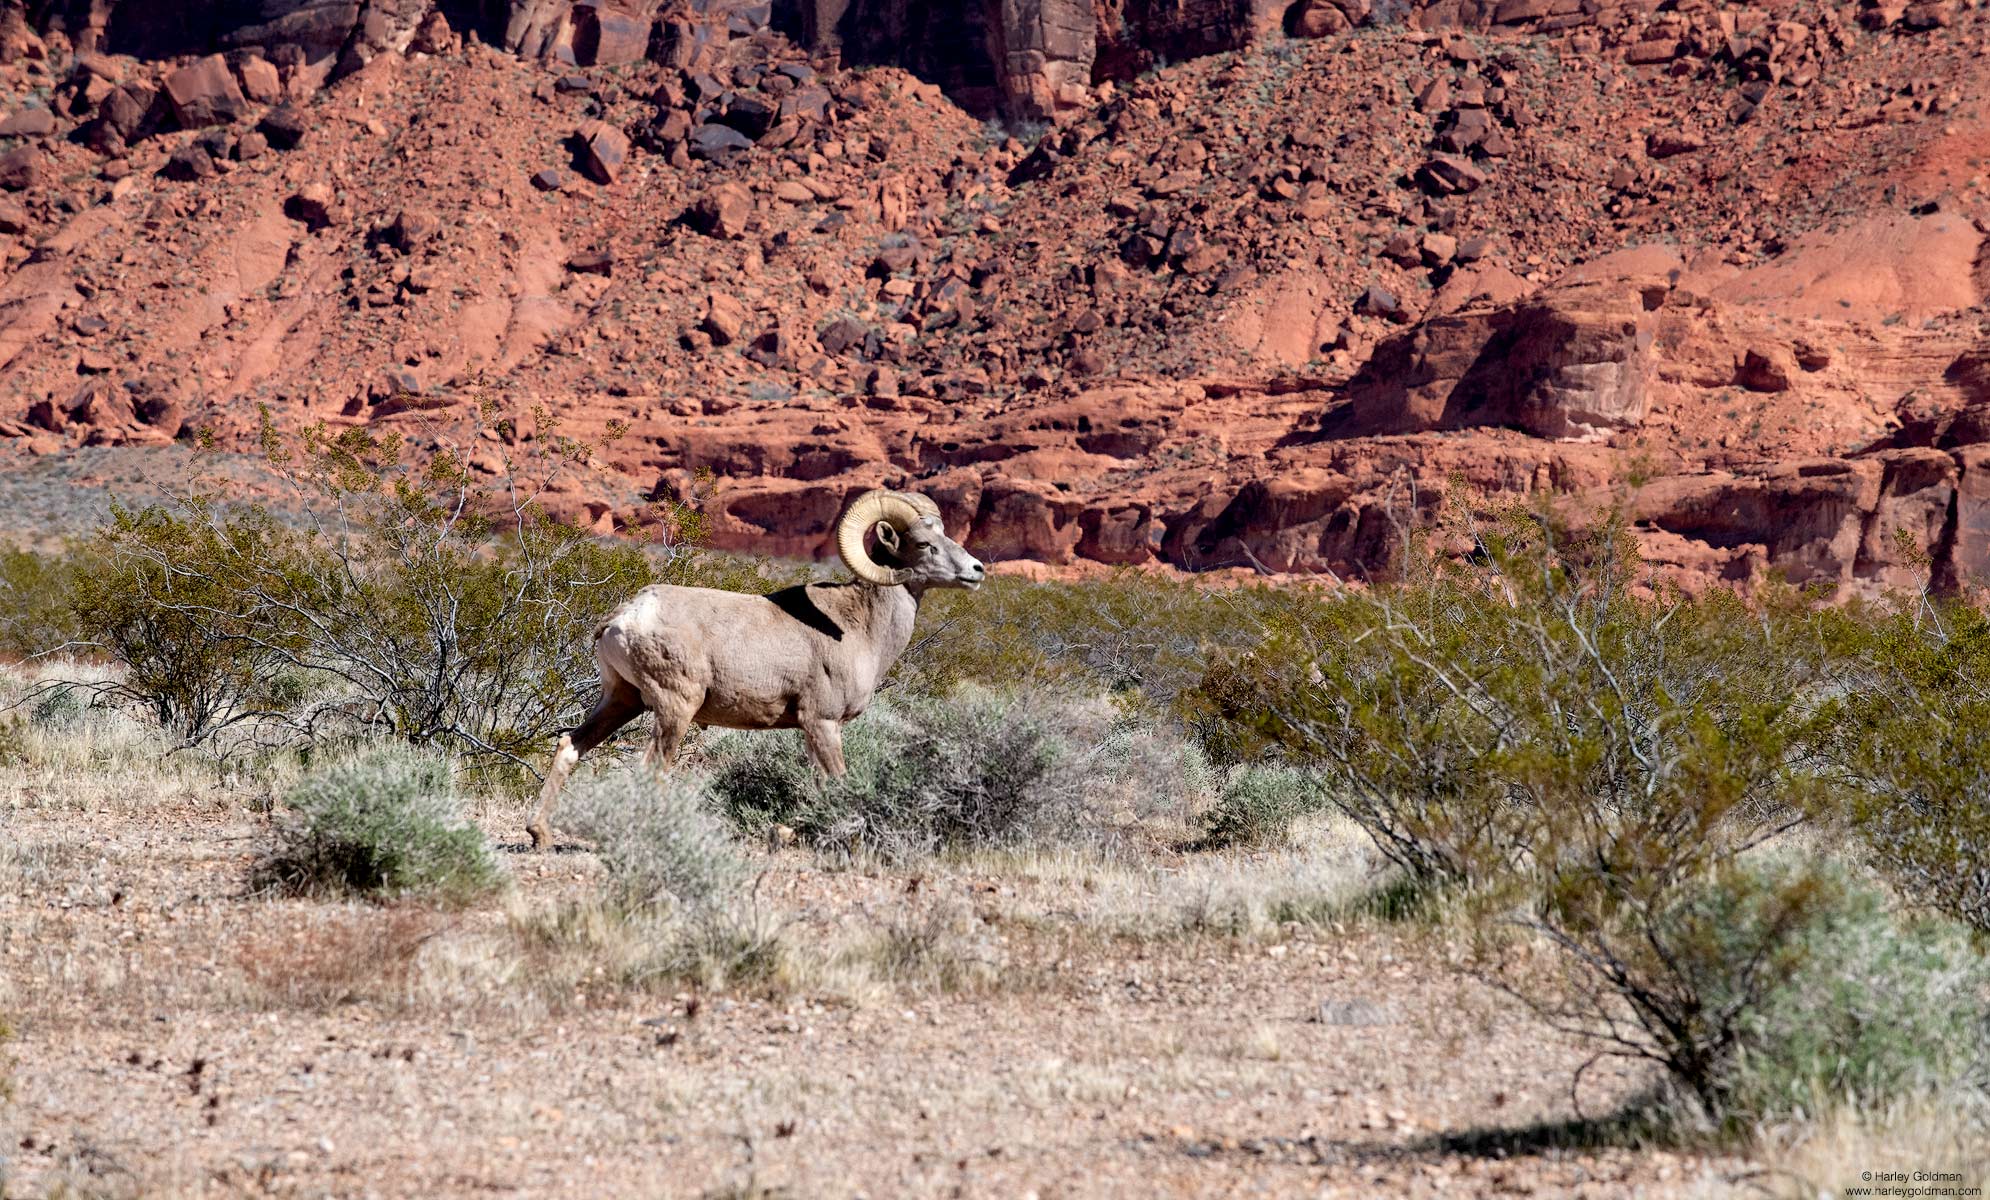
1945 1134
946 951
346 955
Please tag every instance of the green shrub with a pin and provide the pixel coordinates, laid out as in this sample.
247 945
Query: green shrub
657 837
60 706
1874 1012
164 593
36 613
1258 804
1473 721
1912 749
1766 990
382 823
972 769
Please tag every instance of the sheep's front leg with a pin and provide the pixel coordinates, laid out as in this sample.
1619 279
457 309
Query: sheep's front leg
825 745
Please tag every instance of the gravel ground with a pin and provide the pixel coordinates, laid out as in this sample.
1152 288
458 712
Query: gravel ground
176 1036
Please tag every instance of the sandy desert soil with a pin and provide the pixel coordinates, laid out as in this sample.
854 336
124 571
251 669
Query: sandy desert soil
174 1035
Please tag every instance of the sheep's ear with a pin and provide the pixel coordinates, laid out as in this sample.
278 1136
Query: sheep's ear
887 534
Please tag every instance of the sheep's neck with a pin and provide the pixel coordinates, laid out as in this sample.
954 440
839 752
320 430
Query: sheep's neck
893 611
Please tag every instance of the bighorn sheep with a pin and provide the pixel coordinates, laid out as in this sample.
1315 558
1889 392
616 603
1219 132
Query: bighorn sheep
804 657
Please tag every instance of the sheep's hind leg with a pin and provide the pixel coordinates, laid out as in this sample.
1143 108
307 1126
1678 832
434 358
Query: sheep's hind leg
665 739
619 704
673 711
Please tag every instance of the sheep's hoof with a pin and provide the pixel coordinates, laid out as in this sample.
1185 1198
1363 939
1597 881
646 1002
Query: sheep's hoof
542 837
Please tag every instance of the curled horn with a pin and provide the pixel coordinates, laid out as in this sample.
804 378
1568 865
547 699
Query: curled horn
924 504
894 508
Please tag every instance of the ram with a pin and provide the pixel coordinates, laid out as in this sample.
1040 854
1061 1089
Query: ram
805 657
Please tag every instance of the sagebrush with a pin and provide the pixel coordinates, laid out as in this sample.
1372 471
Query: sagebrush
382 823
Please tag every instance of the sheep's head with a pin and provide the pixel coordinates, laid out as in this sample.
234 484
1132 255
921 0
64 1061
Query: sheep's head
910 537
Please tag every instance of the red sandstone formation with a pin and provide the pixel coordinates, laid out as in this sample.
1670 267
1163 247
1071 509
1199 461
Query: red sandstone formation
1246 285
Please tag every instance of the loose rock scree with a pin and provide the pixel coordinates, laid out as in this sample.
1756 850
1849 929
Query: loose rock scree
806 657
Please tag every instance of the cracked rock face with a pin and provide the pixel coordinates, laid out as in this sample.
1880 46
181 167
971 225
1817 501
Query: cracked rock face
1569 363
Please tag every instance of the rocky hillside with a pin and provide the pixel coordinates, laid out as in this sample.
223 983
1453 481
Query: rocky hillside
1207 284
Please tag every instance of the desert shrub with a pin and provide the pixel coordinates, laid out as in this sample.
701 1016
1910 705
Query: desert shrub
1258 804
657 838
1763 989
36 612
1877 1011
945 949
160 591
418 598
974 768
60 706
1557 744
383 823
1130 634
1912 753
1477 720
1137 764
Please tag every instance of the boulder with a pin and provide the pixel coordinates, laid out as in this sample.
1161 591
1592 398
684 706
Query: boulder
313 204
28 123
724 318
1448 174
607 36
189 163
260 81
284 127
204 93
718 143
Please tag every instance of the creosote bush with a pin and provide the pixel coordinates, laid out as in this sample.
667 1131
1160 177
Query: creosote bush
383 823
1914 756
1588 758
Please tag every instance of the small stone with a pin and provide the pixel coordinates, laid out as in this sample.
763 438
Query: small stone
723 212
410 228
724 318
592 262
1378 301
603 149
1667 143
548 180
284 127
